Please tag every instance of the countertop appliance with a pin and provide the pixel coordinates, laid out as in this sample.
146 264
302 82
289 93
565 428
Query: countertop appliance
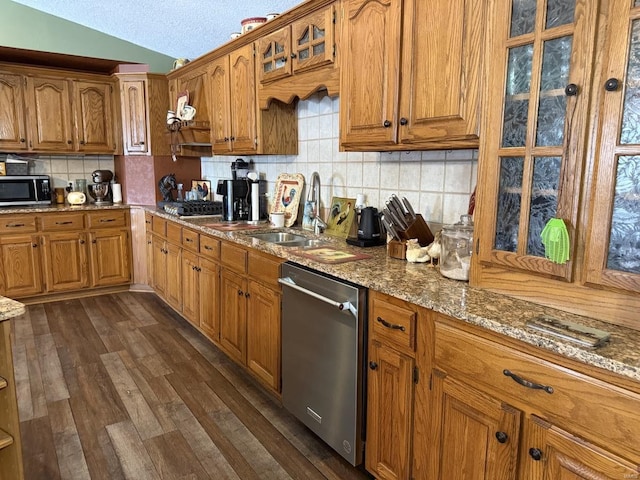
370 230
236 201
323 356
100 189
25 190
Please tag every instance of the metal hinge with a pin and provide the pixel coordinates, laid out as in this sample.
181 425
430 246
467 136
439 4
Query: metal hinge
431 381
334 49
334 17
416 375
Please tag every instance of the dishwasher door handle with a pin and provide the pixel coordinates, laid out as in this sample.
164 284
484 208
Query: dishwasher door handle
288 281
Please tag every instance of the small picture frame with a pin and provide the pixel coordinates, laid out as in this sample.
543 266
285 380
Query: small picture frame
341 215
3 169
203 187
183 99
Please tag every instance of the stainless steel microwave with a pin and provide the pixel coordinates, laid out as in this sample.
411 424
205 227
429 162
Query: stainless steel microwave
25 190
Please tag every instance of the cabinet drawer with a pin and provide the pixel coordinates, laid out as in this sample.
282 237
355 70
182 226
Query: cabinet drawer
393 322
21 224
234 257
174 233
265 268
209 247
190 239
62 222
159 225
107 219
588 407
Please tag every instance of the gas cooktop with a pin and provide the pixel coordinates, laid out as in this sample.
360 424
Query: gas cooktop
193 208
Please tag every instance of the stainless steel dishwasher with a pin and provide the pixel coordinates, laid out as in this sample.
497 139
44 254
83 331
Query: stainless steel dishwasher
323 352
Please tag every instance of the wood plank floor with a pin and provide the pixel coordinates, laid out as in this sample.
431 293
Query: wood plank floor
121 387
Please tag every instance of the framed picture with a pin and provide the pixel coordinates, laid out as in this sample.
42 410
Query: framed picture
203 187
183 99
341 215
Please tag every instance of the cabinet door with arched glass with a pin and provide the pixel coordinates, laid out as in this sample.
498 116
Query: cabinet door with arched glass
532 143
313 40
613 245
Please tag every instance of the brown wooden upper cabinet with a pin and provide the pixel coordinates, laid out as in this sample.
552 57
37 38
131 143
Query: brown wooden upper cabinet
238 126
50 111
410 74
143 100
13 130
560 140
306 44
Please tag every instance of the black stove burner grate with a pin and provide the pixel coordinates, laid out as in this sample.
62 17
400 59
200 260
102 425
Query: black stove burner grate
194 207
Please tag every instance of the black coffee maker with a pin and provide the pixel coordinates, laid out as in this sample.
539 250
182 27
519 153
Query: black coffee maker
236 199
370 230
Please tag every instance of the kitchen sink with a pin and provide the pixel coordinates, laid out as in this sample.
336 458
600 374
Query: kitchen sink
286 239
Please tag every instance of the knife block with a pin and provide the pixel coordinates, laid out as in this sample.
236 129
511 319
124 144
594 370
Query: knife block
418 229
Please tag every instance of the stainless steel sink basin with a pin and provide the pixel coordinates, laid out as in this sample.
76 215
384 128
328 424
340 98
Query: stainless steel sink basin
286 239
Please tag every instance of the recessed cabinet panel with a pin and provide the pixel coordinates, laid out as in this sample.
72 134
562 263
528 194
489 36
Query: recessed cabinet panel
49 104
134 116
93 104
13 132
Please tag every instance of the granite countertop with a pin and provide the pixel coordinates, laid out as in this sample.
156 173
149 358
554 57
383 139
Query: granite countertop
10 308
423 285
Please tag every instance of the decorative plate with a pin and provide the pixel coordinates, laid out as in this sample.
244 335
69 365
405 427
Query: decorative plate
287 195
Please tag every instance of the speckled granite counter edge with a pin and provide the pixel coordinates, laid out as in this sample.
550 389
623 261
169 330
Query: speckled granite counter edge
10 308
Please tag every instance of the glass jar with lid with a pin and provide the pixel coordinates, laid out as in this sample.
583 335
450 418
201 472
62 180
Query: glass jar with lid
457 244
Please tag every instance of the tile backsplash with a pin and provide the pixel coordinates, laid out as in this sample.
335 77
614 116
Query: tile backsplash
65 169
437 183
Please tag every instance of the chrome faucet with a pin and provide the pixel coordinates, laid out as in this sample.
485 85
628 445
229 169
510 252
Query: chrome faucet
314 196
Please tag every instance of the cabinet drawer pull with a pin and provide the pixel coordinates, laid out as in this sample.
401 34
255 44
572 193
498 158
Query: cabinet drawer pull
34 245
527 383
188 240
82 242
502 437
207 247
107 220
240 293
15 225
392 326
68 222
373 365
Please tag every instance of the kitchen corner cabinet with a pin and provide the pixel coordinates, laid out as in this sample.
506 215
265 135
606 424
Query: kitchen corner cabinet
499 412
143 103
560 141
410 74
237 125
13 129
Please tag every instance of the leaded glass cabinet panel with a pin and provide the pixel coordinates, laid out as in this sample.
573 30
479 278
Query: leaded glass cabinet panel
273 52
532 152
313 40
613 247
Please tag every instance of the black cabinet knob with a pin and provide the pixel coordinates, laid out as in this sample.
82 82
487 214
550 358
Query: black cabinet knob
81 142
535 453
571 90
233 139
69 142
141 143
247 295
373 365
34 245
293 55
502 437
240 293
403 121
22 140
226 139
386 124
611 85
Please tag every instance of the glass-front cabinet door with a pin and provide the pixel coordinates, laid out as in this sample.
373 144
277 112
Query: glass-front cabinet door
274 51
613 242
539 66
313 40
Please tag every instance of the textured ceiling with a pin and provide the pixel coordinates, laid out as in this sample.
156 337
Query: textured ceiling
178 28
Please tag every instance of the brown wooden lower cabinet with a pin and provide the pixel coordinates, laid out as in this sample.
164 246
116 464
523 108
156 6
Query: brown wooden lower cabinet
233 315
64 252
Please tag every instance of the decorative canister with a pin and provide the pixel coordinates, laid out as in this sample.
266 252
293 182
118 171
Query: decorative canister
249 24
457 245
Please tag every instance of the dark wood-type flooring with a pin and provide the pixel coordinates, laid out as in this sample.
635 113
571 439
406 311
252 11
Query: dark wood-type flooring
121 387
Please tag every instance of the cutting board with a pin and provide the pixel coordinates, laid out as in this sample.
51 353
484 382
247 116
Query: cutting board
329 255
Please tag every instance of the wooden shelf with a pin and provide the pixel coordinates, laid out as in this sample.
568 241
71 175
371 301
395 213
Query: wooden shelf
5 439
3 383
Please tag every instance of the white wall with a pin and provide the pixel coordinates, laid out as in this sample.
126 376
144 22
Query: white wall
437 183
